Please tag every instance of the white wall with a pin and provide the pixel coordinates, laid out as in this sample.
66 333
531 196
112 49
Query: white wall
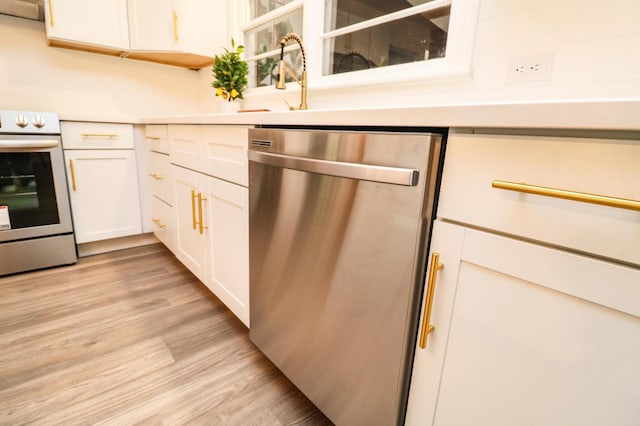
36 77
595 47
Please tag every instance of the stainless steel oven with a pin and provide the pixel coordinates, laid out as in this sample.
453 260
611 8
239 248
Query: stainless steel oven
36 230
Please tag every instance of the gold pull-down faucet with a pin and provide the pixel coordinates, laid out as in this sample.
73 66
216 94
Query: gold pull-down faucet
284 68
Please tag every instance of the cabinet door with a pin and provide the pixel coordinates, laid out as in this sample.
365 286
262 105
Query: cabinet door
537 336
154 25
428 361
228 222
103 187
191 236
96 22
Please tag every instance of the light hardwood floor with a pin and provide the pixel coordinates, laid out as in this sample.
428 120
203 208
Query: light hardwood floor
131 337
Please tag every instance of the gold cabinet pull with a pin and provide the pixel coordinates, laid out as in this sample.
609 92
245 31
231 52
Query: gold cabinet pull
98 135
159 223
427 327
193 208
51 21
73 176
621 203
176 37
155 176
153 138
201 223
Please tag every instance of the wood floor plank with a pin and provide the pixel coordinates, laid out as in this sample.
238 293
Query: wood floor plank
132 337
33 400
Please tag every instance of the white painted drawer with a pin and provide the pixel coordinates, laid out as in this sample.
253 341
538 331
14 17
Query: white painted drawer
226 153
157 137
84 135
609 167
163 222
160 177
219 151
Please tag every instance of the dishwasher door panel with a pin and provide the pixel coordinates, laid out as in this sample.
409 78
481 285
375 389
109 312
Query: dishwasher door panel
336 265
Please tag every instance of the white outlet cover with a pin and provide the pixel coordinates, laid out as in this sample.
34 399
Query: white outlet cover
529 68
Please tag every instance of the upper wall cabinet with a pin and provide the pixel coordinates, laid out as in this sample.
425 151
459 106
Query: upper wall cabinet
101 25
174 32
179 32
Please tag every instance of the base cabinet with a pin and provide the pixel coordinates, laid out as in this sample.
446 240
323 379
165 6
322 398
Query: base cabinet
191 234
212 235
103 190
228 221
526 334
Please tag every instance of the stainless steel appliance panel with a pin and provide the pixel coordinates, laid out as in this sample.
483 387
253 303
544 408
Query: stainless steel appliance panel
337 263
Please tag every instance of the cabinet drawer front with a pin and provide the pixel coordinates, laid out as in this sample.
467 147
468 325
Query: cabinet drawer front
81 135
226 153
605 167
159 175
157 137
163 222
186 147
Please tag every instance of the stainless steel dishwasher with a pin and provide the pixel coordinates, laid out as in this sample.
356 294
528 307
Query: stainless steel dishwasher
338 225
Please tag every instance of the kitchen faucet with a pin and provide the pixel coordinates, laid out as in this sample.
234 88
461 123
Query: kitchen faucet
284 68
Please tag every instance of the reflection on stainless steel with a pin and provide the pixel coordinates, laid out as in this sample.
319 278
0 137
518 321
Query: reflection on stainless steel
337 264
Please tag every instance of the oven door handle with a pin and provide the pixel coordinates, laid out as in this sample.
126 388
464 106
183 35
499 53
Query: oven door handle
28 144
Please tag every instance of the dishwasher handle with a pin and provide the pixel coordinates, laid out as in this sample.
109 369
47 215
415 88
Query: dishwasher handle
369 172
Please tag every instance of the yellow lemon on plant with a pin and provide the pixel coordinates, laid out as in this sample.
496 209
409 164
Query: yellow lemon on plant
234 93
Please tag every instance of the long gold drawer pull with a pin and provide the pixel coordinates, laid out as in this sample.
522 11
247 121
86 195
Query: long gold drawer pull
159 223
193 208
155 176
176 37
51 21
427 327
621 203
73 176
99 135
153 138
201 223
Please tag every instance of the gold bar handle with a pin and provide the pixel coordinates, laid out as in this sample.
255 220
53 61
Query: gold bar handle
427 327
159 223
201 223
621 203
153 138
155 176
51 21
176 37
193 208
98 135
73 176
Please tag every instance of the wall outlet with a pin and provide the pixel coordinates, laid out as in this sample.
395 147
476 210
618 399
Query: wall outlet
530 68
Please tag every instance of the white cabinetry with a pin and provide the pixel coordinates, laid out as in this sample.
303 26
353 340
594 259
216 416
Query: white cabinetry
102 24
176 32
527 333
180 31
209 171
160 184
103 182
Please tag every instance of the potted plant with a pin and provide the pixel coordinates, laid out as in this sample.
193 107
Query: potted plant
230 74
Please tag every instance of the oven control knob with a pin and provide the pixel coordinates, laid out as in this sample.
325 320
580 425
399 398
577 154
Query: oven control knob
38 121
22 121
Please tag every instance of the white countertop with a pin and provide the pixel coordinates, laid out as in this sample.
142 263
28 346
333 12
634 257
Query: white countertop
596 114
585 114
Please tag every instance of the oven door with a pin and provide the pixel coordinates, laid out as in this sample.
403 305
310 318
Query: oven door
33 192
